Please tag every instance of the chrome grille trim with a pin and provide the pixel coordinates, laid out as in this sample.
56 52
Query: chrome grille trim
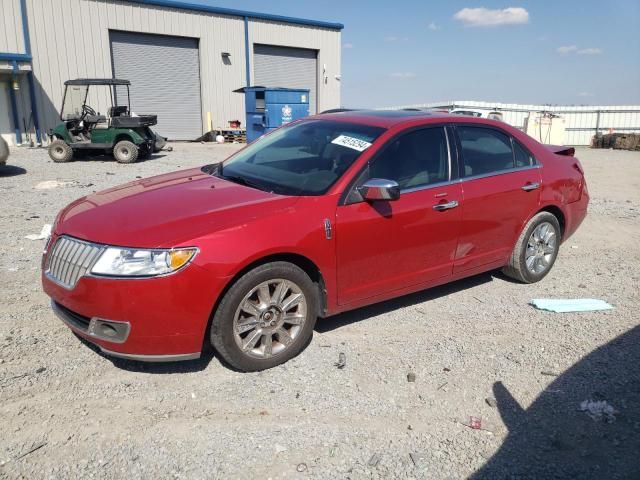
70 260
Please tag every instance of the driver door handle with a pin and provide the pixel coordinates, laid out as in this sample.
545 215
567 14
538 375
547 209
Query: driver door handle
531 186
440 207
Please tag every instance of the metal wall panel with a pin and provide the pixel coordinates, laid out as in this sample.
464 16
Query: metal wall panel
11 36
165 80
56 25
287 67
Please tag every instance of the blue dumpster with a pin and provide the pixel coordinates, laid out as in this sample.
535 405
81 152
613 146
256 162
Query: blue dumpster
269 108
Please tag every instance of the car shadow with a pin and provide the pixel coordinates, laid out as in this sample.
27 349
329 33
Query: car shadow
323 325
555 438
353 316
161 368
11 171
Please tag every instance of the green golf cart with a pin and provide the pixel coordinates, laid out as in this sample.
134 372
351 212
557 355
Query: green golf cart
125 135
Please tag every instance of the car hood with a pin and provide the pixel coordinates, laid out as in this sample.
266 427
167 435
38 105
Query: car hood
167 210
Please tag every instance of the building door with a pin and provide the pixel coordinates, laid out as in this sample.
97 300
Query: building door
165 80
287 67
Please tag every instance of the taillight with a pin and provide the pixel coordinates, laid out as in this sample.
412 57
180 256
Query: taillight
581 182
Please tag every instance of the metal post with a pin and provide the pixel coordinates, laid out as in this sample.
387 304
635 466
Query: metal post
597 122
14 114
34 107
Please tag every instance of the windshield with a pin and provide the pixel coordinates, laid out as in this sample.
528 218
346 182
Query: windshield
73 100
305 158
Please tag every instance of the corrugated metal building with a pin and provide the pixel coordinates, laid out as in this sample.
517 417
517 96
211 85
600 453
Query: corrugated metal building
184 60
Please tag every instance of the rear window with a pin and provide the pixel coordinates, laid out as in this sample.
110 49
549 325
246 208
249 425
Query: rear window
522 157
485 150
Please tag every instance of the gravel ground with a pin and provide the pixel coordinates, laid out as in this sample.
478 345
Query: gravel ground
476 348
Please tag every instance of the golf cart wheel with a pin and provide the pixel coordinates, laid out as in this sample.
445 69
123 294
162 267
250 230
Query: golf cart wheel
60 152
125 152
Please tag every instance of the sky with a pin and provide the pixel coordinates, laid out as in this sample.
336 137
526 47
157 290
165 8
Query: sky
573 52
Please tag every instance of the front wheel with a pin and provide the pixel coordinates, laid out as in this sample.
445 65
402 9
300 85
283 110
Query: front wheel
266 317
125 152
536 250
60 152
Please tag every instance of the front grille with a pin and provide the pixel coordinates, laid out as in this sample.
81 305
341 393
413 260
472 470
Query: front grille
70 259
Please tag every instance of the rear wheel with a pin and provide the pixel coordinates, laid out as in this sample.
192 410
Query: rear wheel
266 317
60 152
125 152
536 249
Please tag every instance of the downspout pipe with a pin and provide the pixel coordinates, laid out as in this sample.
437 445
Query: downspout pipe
30 78
247 51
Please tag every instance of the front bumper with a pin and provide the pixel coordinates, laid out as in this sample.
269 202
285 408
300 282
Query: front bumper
156 319
88 332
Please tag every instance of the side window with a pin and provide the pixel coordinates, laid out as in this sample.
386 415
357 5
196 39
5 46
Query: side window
415 159
521 156
484 150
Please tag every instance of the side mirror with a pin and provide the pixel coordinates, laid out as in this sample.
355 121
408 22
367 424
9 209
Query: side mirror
376 189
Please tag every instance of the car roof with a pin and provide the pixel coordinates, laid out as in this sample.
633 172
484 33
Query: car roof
379 118
392 118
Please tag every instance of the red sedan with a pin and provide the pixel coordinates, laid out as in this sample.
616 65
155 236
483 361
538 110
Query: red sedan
324 215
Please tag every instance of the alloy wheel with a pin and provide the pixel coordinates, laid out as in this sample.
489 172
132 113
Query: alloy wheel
541 248
269 318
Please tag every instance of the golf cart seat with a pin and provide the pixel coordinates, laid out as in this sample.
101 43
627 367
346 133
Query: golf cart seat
134 122
118 111
93 119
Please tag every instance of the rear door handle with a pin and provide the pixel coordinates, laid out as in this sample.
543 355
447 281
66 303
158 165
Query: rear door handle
439 207
531 186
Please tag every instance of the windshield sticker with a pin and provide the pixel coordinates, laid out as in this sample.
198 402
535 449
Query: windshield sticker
350 142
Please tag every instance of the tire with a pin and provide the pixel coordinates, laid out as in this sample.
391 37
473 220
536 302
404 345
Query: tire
60 152
536 250
265 319
125 152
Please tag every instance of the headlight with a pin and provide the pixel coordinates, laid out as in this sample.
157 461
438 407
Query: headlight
125 262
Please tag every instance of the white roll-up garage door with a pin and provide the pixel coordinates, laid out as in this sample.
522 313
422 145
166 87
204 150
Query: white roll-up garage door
165 80
286 67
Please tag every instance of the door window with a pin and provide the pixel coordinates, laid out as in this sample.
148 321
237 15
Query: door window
485 151
521 156
415 159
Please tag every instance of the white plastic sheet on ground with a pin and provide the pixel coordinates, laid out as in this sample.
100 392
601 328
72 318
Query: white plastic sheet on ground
563 305
44 233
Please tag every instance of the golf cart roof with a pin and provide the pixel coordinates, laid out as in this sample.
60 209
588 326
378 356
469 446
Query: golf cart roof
97 81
